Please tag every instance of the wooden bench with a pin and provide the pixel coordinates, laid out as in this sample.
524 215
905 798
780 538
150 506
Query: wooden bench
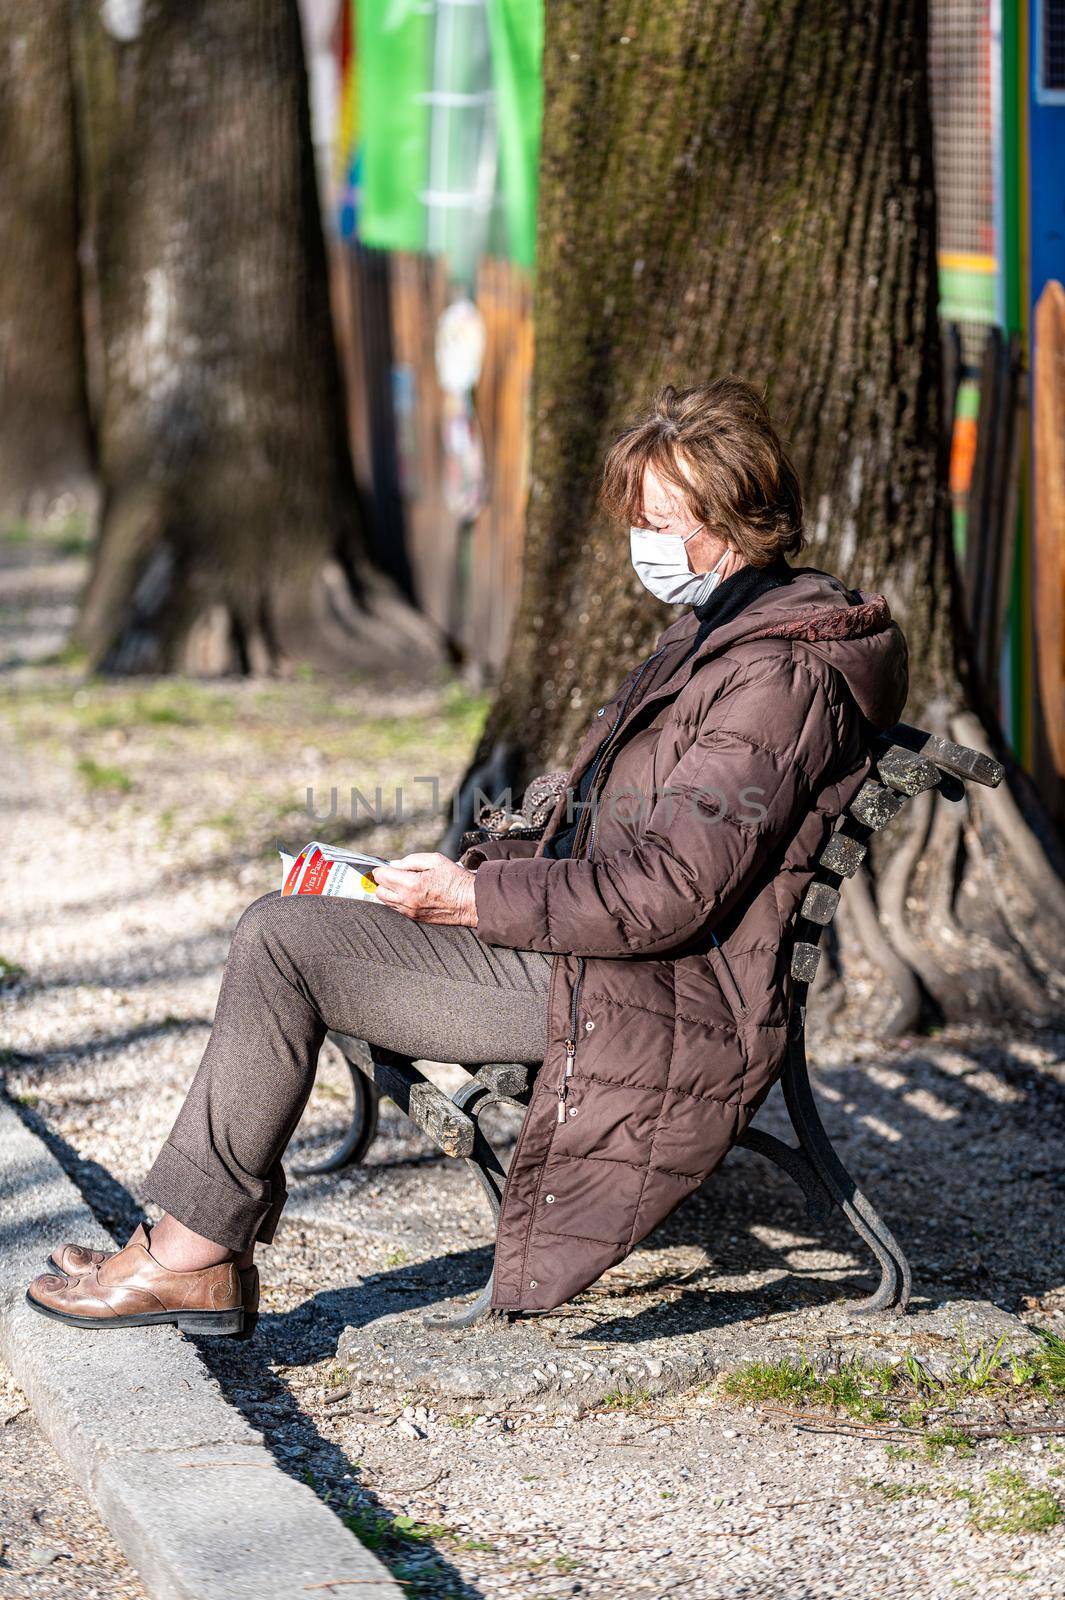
906 763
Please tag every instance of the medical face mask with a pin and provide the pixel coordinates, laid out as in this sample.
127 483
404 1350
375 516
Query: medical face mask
662 567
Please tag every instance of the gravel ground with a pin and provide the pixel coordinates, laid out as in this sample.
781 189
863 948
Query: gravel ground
142 818
52 1543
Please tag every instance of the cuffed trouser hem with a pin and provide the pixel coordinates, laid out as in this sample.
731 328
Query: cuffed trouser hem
216 1210
268 1226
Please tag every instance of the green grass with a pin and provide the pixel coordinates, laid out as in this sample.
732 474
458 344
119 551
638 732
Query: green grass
73 657
936 1440
10 972
376 1528
345 722
1010 1504
18 532
625 1400
350 741
908 1393
226 822
103 779
1005 1503
856 1387
104 705
71 534
1050 1361
401 1543
411 1528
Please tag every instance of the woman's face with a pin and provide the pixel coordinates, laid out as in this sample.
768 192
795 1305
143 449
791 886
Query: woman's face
665 511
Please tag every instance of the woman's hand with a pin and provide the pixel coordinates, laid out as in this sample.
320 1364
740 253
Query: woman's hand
428 887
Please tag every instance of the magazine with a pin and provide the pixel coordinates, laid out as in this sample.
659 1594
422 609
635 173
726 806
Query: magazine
329 869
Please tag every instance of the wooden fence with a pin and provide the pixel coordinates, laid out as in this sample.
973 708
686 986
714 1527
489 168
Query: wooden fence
386 310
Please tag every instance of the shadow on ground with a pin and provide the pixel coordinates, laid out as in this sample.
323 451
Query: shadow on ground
958 1142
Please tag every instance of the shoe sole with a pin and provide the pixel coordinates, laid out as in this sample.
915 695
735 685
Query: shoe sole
209 1324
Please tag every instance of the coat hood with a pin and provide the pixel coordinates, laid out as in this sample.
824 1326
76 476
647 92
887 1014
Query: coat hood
850 630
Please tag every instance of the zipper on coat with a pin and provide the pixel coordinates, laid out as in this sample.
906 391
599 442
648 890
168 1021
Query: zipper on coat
740 1001
571 1043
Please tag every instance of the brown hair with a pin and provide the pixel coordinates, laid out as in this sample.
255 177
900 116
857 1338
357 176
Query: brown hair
716 444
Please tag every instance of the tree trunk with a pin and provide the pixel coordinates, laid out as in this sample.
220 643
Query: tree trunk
45 450
749 190
232 536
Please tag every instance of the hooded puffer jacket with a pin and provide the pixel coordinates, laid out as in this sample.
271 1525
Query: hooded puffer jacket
669 992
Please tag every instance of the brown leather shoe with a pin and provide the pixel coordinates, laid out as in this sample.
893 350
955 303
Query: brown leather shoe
71 1260
131 1289
75 1260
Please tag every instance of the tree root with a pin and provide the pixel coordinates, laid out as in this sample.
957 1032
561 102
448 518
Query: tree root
1027 851
147 611
955 917
860 913
893 898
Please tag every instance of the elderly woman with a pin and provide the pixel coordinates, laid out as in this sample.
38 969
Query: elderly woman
638 949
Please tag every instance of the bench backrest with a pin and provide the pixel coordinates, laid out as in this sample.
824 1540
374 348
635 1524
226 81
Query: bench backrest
906 762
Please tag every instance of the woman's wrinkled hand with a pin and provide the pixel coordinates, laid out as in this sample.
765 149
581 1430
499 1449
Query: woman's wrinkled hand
428 887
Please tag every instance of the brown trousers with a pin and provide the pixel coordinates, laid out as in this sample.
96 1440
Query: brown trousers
298 967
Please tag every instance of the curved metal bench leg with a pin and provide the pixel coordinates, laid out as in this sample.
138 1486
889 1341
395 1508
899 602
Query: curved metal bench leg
793 1161
484 1163
473 1098
895 1278
479 1310
362 1129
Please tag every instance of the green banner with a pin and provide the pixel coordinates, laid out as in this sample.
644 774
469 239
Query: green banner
516 31
394 40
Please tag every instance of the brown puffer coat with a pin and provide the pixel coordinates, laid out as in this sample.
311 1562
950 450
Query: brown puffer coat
668 1001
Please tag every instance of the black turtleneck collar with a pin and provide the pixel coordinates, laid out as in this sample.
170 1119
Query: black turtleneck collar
736 593
727 601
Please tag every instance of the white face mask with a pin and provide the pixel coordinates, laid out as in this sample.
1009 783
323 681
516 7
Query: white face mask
662 566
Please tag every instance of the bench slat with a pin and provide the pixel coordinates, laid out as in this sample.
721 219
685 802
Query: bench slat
972 766
874 806
820 904
843 854
909 774
504 1077
961 762
804 961
428 1107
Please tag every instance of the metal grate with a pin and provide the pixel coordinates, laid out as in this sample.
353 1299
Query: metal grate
1052 46
961 69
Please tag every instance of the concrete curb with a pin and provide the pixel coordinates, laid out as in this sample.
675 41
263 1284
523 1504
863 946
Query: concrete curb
195 1500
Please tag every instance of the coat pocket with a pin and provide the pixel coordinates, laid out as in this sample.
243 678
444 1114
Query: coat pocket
726 979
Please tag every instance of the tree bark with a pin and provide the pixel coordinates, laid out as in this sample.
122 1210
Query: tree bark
749 190
45 446
232 535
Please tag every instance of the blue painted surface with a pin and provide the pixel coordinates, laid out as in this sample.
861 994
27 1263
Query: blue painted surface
1047 174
